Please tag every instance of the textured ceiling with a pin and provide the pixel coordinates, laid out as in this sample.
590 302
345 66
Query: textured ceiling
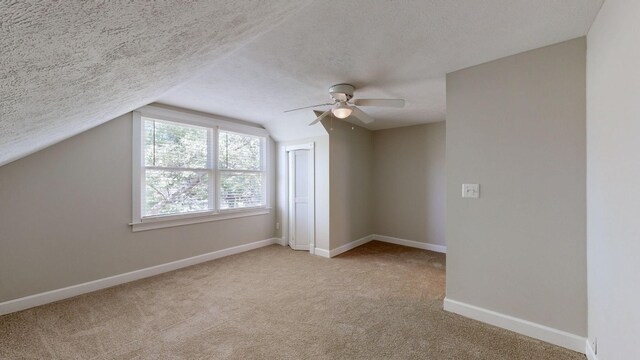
67 66
389 49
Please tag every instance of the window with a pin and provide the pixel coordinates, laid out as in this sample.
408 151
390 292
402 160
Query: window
177 172
241 175
188 166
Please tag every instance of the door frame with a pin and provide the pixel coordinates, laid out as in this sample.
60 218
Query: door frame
312 193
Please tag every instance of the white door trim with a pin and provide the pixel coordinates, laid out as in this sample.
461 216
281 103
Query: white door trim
312 193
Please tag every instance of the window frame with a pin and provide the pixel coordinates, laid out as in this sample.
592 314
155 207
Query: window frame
213 126
220 171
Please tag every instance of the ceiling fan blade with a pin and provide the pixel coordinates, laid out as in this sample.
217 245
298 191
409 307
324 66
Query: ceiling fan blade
361 115
322 116
308 107
397 103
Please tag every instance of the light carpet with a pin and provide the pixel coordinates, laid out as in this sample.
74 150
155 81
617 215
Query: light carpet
378 301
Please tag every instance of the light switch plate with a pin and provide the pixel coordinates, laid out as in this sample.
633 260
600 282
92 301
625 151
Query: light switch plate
471 191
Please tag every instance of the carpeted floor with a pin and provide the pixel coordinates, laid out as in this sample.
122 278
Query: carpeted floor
378 301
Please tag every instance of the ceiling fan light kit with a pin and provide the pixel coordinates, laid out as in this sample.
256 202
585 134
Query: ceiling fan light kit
343 106
341 110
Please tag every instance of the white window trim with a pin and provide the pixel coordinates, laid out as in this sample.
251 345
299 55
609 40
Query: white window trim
265 161
140 223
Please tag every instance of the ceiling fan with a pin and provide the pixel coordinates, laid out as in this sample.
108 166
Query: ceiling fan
344 105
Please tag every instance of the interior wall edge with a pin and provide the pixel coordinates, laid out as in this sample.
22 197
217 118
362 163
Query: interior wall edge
388 239
591 354
411 243
516 126
350 245
409 183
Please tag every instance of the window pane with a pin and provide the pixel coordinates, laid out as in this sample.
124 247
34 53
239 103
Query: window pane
239 152
240 190
173 192
174 145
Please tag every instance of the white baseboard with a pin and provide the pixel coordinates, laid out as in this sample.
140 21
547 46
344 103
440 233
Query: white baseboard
74 290
322 252
300 247
383 238
281 241
591 355
411 243
350 245
524 327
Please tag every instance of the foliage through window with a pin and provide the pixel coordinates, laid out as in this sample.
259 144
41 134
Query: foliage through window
189 168
241 176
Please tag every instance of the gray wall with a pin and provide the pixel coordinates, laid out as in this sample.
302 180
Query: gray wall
351 149
613 178
387 182
409 183
64 215
517 126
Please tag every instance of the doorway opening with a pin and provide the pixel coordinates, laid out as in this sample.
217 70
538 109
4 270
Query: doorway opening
300 189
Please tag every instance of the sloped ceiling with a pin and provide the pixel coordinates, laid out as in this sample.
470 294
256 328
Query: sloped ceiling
67 66
387 49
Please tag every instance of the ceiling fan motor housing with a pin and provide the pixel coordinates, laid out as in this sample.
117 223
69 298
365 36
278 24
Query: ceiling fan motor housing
342 92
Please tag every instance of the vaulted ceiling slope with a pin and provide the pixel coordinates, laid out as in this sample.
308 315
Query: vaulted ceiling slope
387 49
67 66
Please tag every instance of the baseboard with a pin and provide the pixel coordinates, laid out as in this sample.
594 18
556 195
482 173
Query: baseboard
383 238
411 243
322 252
75 290
524 327
591 355
281 241
350 245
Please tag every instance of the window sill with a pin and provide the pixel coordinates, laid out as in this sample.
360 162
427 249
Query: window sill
160 222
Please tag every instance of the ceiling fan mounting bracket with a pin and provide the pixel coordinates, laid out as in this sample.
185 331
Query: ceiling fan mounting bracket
342 92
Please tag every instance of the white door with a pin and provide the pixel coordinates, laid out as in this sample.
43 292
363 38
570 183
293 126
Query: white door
299 192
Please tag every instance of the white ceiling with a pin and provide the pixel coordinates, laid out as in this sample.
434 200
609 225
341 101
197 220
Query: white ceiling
387 49
68 66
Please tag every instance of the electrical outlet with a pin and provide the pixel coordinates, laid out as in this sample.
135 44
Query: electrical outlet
277 226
